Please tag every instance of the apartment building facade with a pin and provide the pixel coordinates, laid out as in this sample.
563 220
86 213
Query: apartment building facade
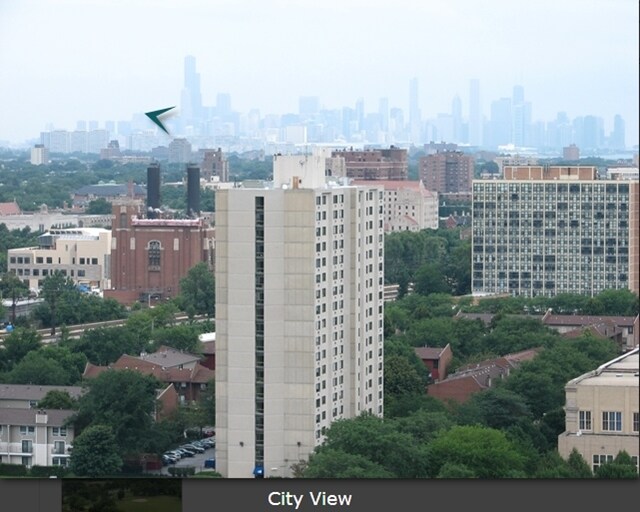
299 314
447 172
603 412
35 437
408 205
545 231
83 254
375 164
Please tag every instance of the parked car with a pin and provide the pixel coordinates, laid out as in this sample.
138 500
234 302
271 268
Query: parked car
168 459
193 448
185 452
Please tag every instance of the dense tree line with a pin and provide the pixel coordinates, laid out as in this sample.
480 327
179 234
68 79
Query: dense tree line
435 261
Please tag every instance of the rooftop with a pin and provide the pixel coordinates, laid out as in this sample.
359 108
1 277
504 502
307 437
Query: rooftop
34 392
15 416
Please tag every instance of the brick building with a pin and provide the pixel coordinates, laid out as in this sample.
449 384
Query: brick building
150 254
375 164
447 172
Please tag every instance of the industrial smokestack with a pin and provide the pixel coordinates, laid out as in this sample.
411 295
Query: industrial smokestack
153 190
193 191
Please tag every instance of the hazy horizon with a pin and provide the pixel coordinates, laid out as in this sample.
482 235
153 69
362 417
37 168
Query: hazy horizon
69 60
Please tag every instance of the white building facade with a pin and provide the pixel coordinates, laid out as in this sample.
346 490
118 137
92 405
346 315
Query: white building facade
299 314
83 254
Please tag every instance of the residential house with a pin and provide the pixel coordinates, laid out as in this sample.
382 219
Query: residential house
436 360
623 329
472 378
27 396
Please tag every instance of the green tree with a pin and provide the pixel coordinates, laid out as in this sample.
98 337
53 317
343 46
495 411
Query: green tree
453 470
37 368
496 408
57 399
123 400
14 289
99 206
104 345
621 467
95 453
17 345
181 337
578 466
53 287
336 463
378 441
484 451
198 291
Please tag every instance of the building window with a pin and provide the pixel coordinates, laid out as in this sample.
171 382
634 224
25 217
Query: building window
26 461
59 431
598 460
60 461
58 447
26 429
636 422
27 446
154 255
585 420
612 421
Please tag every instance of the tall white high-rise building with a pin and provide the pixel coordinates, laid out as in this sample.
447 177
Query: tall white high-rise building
299 314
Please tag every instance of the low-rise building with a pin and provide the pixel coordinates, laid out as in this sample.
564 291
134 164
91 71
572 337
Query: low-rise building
472 378
436 360
35 437
189 379
83 254
27 396
622 329
603 412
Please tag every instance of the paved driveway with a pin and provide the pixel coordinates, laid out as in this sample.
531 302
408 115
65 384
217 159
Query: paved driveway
197 461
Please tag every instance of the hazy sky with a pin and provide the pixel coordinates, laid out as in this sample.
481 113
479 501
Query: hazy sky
68 60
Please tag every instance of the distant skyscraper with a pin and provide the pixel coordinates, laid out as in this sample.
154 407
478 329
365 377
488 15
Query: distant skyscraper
308 105
383 110
616 141
415 121
518 116
191 96
456 114
223 104
500 126
475 114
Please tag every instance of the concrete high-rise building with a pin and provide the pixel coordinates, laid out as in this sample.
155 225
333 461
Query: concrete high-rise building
39 155
299 314
447 172
475 114
602 412
545 231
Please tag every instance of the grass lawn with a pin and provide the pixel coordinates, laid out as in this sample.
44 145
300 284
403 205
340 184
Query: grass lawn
150 504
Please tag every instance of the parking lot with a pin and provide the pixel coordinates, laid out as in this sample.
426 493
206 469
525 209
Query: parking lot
197 461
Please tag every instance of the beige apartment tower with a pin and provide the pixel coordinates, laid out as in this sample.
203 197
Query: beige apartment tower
299 314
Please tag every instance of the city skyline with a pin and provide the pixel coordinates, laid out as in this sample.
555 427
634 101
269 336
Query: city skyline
71 60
